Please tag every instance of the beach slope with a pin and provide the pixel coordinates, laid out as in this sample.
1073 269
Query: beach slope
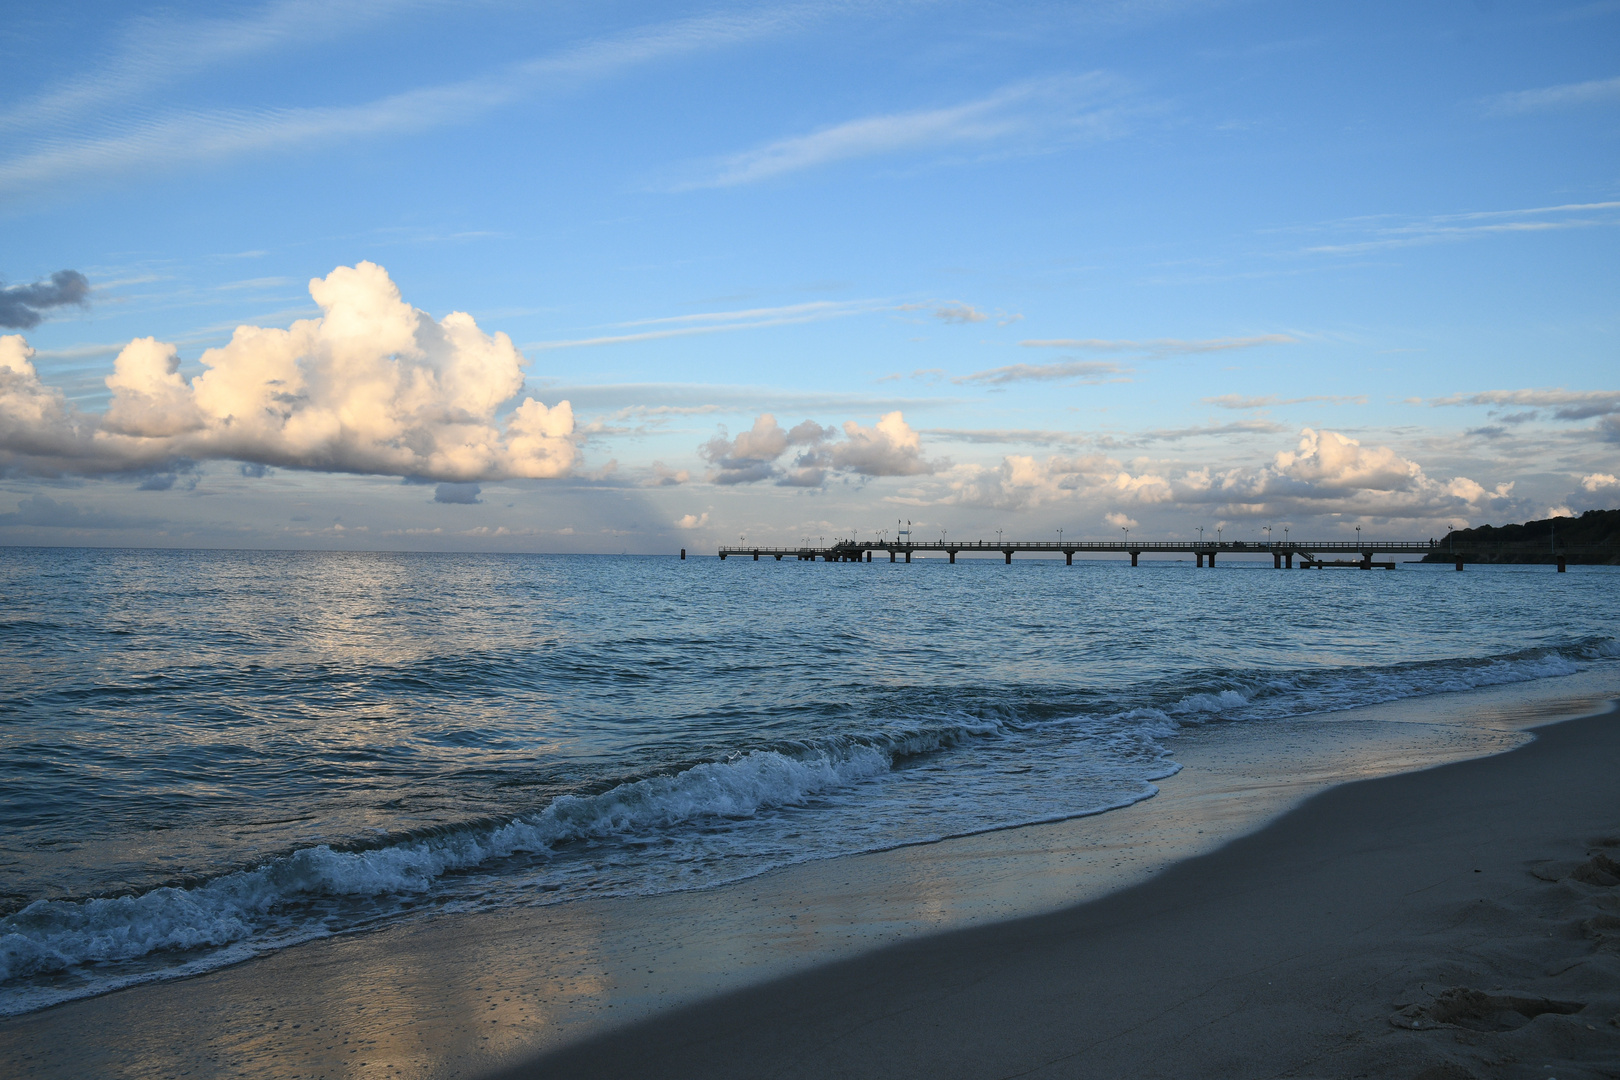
1461 921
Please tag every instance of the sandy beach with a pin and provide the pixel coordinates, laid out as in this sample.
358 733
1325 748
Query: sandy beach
1456 922
1289 892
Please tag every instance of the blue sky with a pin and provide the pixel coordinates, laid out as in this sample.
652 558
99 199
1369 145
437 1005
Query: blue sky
1151 265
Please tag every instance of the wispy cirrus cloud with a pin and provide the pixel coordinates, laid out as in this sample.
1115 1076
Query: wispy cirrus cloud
1160 346
152 51
1563 96
1266 401
1451 228
716 322
166 141
1565 404
1084 371
1036 109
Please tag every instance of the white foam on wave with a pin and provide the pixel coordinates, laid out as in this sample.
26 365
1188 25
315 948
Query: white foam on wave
54 935
244 912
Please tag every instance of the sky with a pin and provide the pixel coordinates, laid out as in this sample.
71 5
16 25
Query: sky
604 277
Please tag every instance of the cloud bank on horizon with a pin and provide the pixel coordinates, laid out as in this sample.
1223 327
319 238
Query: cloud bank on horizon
375 386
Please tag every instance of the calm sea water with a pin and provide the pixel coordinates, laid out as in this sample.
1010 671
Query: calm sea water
205 755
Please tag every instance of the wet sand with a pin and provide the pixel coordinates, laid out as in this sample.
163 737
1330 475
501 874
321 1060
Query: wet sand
1457 922
980 956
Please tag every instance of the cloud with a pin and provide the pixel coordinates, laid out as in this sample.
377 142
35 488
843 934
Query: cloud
888 448
1120 521
719 322
1239 401
1449 228
1035 437
372 385
39 511
958 312
691 521
148 142
1326 472
1564 96
158 50
1037 109
1596 482
1565 404
664 476
1162 346
20 305
751 455
1196 431
1086 371
462 494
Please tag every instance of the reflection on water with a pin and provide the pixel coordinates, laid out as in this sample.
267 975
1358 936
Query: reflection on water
358 736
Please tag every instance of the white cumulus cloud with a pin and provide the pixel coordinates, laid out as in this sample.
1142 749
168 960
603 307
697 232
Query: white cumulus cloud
888 448
372 385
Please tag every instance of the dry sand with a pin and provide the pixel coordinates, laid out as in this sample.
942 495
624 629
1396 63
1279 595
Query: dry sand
1457 922
1285 953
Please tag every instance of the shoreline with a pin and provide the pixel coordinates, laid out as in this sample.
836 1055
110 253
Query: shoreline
466 994
1451 923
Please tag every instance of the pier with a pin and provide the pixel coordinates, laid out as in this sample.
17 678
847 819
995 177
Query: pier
1286 554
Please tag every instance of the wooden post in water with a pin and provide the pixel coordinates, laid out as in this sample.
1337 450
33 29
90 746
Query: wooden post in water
683 553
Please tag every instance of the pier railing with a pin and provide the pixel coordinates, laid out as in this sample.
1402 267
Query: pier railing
1311 554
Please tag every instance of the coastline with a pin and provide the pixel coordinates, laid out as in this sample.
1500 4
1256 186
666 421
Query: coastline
1449 923
465 994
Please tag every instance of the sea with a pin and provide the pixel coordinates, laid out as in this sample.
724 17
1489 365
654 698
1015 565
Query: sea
209 755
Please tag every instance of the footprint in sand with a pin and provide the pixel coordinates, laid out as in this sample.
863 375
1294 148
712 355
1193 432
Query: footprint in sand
1478 1011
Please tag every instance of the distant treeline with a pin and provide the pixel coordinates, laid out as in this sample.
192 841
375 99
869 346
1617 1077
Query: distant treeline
1594 537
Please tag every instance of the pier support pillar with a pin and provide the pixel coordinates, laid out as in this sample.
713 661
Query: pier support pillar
1561 564
1009 557
779 558
891 555
722 556
868 556
1198 557
1068 558
1459 562
953 558
908 556
1289 560
683 553
1276 561
1212 560
756 556
1134 554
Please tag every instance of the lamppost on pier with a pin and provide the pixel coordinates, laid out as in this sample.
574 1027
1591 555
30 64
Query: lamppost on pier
1060 537
1268 535
1358 536
1200 534
998 537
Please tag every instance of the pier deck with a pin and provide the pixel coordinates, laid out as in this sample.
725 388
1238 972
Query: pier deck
1311 555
